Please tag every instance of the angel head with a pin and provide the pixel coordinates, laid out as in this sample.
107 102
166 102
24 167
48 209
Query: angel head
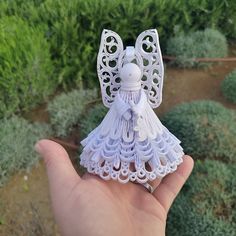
132 68
130 75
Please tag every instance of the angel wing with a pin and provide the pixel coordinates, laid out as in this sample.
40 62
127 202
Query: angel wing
111 47
112 55
147 45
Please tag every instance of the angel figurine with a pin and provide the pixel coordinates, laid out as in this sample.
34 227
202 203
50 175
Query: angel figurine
131 144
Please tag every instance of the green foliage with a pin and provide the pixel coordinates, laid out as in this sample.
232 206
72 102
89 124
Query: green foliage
206 129
25 66
66 109
71 53
208 43
27 10
228 87
73 28
17 139
92 119
205 206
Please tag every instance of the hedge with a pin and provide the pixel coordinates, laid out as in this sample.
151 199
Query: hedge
17 139
205 205
200 44
206 128
66 109
73 28
228 87
25 66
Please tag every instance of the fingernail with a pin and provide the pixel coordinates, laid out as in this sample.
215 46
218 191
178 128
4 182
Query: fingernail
38 147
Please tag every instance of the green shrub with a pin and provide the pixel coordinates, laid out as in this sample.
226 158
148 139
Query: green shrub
27 10
92 119
25 66
228 87
74 27
66 109
205 206
71 52
200 44
17 139
206 129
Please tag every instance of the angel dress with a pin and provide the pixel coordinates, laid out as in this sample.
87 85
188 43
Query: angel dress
131 144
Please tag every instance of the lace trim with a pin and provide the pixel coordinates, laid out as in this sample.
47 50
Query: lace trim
126 172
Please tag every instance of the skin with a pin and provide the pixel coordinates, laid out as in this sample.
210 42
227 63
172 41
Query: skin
90 206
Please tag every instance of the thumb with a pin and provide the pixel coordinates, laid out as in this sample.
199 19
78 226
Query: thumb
61 173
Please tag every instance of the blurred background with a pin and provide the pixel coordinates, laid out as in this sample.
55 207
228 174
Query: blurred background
49 84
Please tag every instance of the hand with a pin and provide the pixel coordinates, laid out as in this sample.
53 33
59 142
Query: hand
90 206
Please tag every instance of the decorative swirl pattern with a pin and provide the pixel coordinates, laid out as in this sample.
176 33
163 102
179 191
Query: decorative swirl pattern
147 55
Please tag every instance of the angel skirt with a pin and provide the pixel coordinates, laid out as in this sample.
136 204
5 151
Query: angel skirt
131 144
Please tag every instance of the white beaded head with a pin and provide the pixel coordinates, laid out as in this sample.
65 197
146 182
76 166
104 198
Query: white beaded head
130 75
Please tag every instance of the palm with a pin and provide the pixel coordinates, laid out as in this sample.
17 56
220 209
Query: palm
124 209
91 206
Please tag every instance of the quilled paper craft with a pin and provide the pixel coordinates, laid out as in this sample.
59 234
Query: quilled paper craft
131 144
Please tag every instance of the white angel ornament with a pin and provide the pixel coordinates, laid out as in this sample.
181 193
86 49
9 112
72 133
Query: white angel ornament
131 144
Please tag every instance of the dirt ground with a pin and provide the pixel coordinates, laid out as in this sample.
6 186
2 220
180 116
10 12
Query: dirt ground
24 205
24 200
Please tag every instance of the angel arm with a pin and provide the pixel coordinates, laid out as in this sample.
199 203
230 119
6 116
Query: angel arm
122 108
140 106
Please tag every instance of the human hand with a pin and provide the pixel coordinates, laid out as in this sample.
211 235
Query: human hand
90 206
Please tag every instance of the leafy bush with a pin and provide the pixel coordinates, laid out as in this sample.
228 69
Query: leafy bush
25 66
228 87
17 139
92 119
27 10
66 109
208 43
205 206
206 129
74 27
